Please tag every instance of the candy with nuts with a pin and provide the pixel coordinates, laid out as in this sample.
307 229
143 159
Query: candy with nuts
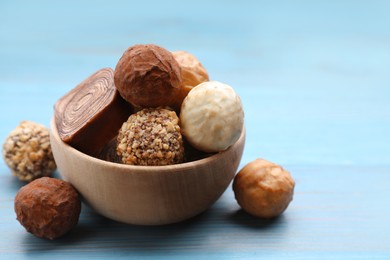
151 137
27 151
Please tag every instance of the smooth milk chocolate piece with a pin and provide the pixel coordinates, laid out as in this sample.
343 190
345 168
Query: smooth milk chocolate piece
91 114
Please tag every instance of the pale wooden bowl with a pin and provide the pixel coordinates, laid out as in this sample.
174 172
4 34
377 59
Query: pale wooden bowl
147 195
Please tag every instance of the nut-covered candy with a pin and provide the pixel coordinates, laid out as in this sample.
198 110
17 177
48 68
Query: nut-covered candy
48 207
192 72
148 76
27 151
151 137
263 189
212 116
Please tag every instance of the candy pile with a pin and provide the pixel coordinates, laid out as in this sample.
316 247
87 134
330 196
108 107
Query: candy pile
156 108
152 104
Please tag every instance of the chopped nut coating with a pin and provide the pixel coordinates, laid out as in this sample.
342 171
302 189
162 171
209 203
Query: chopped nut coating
151 137
27 151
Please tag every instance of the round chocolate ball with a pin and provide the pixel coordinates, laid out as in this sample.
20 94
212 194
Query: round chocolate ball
192 72
263 189
48 207
151 137
148 76
27 152
212 116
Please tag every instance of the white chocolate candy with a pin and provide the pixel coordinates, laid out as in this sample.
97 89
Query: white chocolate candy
212 116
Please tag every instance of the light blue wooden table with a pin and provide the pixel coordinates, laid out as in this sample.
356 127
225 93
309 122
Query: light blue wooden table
313 76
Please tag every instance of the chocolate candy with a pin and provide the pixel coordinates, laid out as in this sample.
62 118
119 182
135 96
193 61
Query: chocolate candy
48 207
90 115
148 76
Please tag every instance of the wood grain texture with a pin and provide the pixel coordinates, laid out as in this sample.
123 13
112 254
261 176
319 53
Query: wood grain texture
314 81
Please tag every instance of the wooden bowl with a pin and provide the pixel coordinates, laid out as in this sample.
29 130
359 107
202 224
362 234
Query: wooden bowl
147 195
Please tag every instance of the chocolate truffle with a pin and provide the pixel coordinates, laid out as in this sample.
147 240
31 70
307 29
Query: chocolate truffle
263 189
192 72
48 207
212 116
151 137
148 76
27 151
90 115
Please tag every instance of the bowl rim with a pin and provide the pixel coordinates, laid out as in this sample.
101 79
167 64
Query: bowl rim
160 168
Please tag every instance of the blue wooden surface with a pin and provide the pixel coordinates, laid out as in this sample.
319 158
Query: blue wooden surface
315 83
